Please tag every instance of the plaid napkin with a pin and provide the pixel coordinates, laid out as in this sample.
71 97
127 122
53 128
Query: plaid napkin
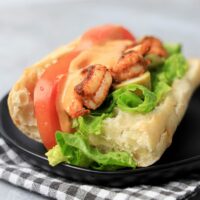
18 172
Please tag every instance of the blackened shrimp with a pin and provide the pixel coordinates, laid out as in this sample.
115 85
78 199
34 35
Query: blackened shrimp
131 64
95 86
89 91
156 46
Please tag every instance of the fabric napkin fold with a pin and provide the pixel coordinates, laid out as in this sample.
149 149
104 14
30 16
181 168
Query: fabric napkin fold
15 170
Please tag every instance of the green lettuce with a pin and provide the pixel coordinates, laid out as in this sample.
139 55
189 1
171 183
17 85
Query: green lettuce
155 61
173 68
131 98
56 156
77 151
161 89
172 48
90 124
135 98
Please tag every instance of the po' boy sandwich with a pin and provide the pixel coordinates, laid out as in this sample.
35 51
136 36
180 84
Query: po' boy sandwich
106 101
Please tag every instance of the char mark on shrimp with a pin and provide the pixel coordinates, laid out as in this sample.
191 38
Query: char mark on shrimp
156 46
131 64
89 92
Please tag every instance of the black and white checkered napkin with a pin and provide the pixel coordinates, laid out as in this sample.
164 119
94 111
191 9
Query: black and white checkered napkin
16 171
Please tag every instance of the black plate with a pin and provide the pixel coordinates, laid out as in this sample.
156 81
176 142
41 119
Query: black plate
182 156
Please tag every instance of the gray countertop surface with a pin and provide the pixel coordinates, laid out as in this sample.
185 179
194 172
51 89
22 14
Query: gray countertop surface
29 29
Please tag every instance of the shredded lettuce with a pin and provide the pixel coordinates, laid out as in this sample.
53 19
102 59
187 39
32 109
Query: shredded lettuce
77 151
175 67
55 156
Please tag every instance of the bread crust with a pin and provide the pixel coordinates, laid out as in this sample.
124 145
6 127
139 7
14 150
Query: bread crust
20 99
146 140
147 136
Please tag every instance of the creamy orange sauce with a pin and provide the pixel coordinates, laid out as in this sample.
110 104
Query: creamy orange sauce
106 54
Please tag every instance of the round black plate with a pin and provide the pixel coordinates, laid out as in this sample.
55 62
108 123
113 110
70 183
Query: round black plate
182 156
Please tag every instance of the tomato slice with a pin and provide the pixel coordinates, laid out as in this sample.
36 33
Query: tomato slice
45 98
104 33
45 92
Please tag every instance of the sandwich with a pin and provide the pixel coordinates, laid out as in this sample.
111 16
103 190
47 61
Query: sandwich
107 100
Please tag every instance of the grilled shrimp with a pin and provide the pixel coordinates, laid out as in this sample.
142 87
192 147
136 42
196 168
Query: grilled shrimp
89 86
156 46
132 63
90 92
95 86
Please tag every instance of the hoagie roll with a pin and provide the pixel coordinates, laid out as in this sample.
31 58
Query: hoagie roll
107 100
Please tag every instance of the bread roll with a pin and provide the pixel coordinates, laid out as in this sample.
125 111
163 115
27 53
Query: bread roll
145 136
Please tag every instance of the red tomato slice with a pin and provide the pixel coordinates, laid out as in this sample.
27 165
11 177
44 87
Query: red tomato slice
45 98
45 91
103 33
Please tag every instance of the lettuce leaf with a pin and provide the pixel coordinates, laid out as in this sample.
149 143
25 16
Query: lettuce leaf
158 61
90 124
73 156
130 98
161 89
55 156
77 151
155 61
174 67
172 48
135 98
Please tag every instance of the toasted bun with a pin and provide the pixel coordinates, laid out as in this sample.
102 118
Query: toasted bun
20 99
147 136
